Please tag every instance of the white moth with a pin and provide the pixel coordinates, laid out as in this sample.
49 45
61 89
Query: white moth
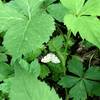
50 57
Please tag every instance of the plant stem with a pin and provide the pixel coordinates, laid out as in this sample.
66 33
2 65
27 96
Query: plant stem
62 61
67 39
63 58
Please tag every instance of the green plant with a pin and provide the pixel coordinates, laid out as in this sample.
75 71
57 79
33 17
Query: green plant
31 30
83 82
81 17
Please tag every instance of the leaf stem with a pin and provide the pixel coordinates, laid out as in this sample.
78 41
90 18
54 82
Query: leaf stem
67 39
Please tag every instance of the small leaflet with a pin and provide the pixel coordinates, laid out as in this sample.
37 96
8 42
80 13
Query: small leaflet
50 57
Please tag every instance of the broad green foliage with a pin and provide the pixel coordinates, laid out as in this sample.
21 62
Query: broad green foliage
37 41
83 85
25 86
27 29
81 17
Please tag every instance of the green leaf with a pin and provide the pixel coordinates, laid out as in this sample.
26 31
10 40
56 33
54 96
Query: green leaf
24 64
32 55
73 23
78 21
44 71
33 24
26 87
56 43
90 86
91 7
93 73
56 70
3 57
2 49
8 16
90 33
6 85
96 90
75 66
68 81
29 7
33 68
57 11
5 71
73 6
78 92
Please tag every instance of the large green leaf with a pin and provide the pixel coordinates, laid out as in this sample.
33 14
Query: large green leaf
26 87
31 27
78 21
